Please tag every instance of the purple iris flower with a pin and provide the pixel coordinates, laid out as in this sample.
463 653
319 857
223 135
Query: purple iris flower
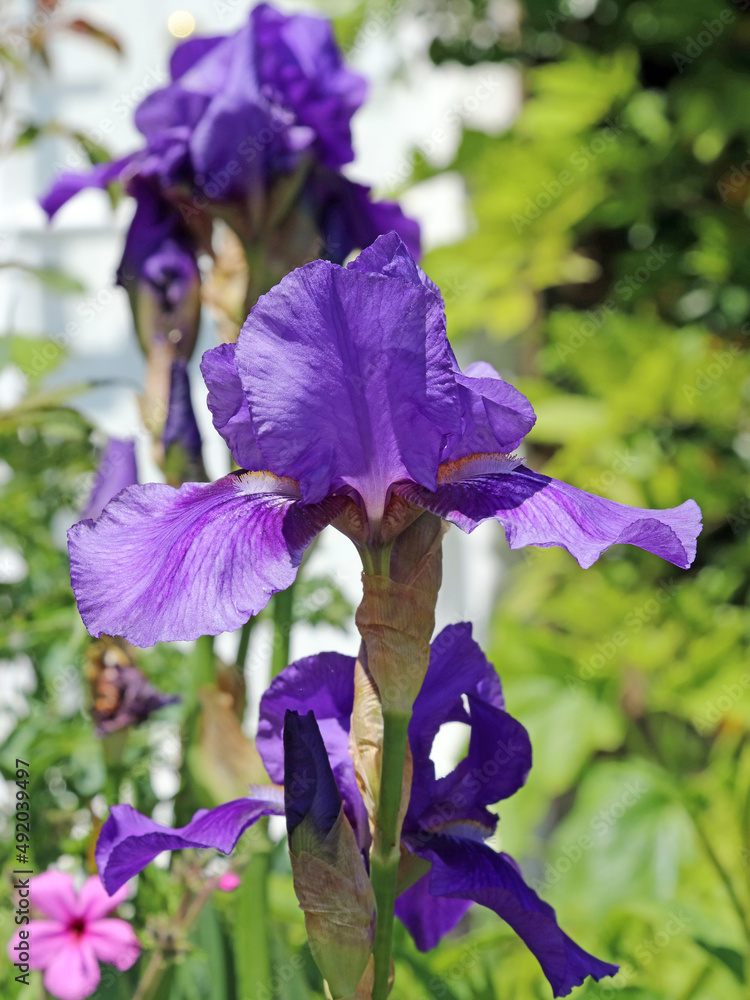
117 469
241 111
341 396
121 694
159 248
181 427
447 821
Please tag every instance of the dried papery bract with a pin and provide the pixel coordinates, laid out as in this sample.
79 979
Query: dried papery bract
334 892
396 618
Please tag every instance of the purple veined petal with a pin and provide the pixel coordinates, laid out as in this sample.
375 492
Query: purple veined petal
117 469
537 510
311 795
345 385
229 407
325 684
74 972
162 564
496 416
348 218
472 871
68 185
129 841
114 941
496 766
428 918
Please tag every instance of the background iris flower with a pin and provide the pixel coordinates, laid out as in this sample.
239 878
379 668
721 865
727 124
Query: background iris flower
342 396
271 101
446 863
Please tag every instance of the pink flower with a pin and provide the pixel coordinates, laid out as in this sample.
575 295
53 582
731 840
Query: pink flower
229 882
69 945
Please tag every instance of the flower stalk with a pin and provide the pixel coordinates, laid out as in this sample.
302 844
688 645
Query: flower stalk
395 619
386 853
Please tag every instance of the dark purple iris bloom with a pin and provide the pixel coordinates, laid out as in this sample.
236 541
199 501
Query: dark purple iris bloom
181 427
447 820
341 393
117 469
121 694
242 110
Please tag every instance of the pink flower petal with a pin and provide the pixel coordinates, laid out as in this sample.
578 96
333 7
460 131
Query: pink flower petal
53 894
94 902
114 941
46 939
74 974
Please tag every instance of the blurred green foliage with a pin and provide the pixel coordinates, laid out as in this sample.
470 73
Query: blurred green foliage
606 273
608 265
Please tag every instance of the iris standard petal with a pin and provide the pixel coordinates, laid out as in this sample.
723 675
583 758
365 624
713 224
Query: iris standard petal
299 61
458 668
129 841
349 219
229 408
537 510
344 385
190 52
162 564
496 766
117 469
325 684
428 918
472 871
495 416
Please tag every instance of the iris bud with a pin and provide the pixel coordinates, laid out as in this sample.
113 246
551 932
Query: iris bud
330 878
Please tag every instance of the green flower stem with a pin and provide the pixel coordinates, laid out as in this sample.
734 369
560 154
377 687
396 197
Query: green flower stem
244 645
283 619
205 663
150 982
386 852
